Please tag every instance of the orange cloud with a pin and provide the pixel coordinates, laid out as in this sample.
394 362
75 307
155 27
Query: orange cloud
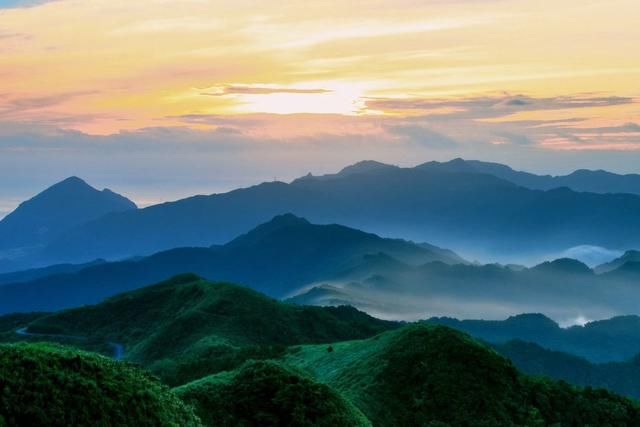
103 67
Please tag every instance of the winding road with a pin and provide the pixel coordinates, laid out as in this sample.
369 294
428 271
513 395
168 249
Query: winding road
118 349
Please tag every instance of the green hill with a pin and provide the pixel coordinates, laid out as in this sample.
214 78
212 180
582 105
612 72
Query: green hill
49 385
268 394
433 375
186 327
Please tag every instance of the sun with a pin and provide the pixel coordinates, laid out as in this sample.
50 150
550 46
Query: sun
334 98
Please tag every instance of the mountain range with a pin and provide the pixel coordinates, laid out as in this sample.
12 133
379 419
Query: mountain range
582 180
277 258
612 340
481 210
621 377
630 258
565 289
289 257
331 325
603 353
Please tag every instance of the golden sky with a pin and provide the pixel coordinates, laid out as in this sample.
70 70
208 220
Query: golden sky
102 66
241 91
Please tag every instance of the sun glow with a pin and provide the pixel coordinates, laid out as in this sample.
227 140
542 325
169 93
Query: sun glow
336 99
103 67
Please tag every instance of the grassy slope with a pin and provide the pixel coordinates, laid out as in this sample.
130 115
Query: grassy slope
186 327
269 394
45 384
433 374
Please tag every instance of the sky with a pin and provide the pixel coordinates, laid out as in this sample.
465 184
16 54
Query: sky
160 99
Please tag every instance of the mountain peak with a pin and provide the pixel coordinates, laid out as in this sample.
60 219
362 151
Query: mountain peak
276 224
454 165
630 256
73 183
61 207
532 319
459 165
73 180
565 265
457 160
365 166
286 220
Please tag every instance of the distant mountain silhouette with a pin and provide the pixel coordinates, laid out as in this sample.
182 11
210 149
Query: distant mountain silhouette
464 210
620 377
276 258
56 210
628 272
592 181
36 273
565 289
564 266
365 166
615 339
629 256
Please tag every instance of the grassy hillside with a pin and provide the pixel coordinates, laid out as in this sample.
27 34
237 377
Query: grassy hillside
186 327
268 394
49 385
433 375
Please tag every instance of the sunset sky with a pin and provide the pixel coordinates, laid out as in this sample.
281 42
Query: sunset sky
160 99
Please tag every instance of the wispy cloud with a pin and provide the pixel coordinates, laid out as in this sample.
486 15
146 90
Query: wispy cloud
394 80
259 90
422 135
17 104
496 106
